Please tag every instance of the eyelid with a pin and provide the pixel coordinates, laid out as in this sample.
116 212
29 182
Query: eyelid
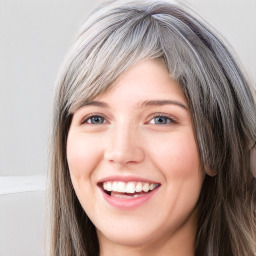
173 120
171 117
85 119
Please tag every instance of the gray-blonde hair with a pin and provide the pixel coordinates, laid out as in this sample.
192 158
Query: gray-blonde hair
222 105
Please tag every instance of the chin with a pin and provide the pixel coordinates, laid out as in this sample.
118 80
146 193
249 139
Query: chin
130 238
131 234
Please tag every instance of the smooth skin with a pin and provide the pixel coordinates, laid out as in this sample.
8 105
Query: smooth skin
141 127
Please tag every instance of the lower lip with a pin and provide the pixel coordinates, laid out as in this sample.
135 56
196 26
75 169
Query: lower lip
128 204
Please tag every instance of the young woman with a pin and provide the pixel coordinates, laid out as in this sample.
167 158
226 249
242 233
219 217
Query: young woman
153 139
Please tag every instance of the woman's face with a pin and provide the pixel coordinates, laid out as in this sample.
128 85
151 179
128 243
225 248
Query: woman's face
134 162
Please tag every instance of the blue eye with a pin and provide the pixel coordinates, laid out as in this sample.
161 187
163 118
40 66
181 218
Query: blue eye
161 120
95 120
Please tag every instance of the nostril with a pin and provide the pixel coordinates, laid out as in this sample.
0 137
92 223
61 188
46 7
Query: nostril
123 153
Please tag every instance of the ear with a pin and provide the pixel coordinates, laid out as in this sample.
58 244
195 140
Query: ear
253 161
209 171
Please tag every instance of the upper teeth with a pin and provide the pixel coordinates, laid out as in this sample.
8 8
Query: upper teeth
130 187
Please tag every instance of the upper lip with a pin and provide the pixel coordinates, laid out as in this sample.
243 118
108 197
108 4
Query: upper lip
126 179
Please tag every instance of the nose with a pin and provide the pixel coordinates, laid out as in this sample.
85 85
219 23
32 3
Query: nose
124 146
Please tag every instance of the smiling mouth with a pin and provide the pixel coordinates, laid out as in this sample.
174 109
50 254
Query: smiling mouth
127 190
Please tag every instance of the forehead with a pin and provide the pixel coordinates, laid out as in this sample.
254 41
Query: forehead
146 83
143 74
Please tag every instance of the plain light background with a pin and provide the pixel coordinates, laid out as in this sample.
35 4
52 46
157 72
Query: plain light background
34 37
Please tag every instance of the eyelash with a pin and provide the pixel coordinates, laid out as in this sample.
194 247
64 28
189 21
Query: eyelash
85 120
166 116
171 120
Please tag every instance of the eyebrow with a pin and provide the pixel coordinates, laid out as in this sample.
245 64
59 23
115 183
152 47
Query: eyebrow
141 105
162 103
95 103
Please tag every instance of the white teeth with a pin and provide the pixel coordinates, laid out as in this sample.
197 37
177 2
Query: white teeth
114 186
130 187
125 196
121 186
145 187
109 186
139 187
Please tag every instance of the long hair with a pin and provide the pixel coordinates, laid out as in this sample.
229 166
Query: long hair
221 101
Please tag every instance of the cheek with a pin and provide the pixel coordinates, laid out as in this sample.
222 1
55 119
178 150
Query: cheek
177 156
179 162
82 155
